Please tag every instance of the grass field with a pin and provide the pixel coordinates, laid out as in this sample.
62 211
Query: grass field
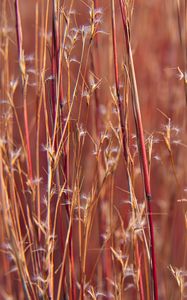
93 175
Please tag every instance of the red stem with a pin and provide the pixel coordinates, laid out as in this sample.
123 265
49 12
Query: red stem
56 77
141 144
121 109
24 83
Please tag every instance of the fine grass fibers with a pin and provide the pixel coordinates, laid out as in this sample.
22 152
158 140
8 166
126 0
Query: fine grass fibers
93 175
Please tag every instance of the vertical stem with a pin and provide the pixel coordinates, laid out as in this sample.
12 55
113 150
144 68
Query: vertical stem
24 82
123 120
141 145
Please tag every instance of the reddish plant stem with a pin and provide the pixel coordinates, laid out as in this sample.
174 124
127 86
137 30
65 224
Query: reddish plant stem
24 83
18 30
27 131
120 103
138 258
141 145
54 64
121 112
106 256
54 85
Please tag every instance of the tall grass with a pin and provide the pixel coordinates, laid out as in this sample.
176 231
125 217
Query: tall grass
92 150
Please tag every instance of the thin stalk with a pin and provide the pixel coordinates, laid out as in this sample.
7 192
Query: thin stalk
24 83
122 118
141 146
106 257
